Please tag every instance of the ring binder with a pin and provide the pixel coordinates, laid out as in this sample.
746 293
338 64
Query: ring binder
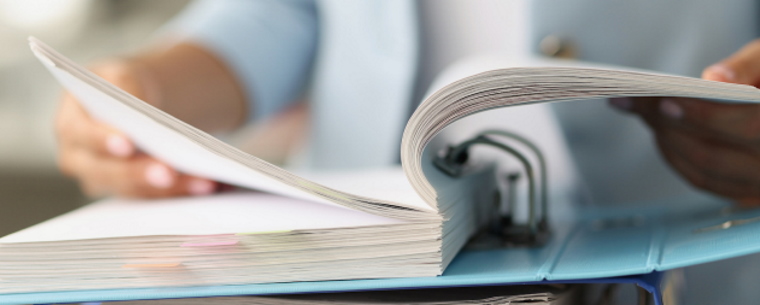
504 231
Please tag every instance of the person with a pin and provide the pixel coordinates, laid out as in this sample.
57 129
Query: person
360 67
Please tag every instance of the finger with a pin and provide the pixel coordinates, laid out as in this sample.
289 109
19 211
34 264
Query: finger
140 177
163 181
76 128
700 178
638 105
749 202
737 123
153 179
103 139
714 158
743 67
624 104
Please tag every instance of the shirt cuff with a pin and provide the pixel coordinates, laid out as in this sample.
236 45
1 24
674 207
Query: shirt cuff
268 44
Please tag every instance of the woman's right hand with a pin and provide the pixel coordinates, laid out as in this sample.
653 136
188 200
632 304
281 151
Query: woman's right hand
104 160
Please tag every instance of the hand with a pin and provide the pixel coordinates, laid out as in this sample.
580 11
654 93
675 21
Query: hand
714 146
104 160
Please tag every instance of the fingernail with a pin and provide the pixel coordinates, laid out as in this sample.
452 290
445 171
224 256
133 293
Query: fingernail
200 187
159 176
119 146
671 109
720 72
623 103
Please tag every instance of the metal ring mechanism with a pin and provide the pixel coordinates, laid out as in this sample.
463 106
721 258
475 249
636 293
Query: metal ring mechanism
503 230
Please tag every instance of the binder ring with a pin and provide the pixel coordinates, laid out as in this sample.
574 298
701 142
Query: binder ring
536 231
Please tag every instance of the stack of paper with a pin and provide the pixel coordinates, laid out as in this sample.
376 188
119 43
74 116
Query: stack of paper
348 226
228 239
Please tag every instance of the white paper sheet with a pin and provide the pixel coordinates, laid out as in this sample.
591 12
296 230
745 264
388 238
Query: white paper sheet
168 146
104 102
238 212
384 183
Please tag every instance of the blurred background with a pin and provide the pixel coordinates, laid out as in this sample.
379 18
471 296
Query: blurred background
31 189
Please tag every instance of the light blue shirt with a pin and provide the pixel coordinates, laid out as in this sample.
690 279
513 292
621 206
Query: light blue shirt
357 59
269 44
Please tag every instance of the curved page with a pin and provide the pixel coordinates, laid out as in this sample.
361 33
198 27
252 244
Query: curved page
522 86
194 152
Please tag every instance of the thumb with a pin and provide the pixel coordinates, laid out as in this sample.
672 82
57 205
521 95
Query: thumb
743 67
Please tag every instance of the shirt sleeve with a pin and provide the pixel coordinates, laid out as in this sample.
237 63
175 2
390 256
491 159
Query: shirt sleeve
268 44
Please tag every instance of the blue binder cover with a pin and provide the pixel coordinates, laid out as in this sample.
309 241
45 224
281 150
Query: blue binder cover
595 243
460 276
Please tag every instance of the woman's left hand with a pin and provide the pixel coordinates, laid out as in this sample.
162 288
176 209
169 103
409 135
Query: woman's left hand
715 146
